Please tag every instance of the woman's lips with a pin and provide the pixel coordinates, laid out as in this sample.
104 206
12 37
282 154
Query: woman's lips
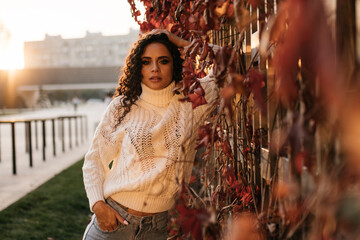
155 79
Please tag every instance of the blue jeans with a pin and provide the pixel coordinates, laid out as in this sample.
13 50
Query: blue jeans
149 227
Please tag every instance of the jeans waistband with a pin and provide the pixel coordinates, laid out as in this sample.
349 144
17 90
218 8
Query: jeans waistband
137 219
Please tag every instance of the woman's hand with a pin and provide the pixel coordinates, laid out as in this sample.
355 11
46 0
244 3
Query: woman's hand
179 42
107 217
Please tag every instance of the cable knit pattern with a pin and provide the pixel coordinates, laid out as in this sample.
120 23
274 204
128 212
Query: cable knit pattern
152 149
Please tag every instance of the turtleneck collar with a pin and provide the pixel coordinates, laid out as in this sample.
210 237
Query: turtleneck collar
159 98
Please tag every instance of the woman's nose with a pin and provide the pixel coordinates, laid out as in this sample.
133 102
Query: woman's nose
155 67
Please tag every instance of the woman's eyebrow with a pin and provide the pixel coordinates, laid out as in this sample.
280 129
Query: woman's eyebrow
161 57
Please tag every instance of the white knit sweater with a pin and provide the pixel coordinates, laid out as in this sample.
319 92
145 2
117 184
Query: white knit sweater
152 149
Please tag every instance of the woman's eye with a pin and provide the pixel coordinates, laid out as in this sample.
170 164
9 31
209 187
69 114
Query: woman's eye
145 62
164 61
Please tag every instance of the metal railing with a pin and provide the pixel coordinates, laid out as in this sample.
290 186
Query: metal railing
28 123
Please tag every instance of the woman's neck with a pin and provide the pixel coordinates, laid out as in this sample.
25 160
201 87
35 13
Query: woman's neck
160 98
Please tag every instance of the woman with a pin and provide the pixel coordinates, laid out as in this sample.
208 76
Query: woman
144 146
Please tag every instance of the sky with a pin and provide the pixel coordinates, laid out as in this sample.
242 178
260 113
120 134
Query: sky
30 20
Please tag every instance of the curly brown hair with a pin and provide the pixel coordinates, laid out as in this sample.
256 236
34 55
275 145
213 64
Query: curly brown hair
130 81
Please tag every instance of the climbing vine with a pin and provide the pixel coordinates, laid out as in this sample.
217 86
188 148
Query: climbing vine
283 178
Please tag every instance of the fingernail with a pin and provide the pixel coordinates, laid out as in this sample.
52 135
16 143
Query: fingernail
126 223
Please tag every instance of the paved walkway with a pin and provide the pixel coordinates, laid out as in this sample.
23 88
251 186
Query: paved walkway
13 187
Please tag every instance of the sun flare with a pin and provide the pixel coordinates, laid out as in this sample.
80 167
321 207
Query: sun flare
11 54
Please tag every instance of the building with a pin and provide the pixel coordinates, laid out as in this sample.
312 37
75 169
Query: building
70 66
24 88
93 50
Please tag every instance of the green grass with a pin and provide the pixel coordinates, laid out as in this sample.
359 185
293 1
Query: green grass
58 209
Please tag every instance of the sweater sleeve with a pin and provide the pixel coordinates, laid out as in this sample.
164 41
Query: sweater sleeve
211 90
210 87
103 149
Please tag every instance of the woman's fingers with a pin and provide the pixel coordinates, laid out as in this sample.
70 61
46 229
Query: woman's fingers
107 217
107 224
179 42
119 218
159 31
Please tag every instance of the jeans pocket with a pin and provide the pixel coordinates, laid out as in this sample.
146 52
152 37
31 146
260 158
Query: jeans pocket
119 226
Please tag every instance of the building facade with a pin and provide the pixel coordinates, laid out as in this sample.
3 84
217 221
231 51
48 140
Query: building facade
94 50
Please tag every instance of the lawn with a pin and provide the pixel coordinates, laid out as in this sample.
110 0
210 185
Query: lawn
58 209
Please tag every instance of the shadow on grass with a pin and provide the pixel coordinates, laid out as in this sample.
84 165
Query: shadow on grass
58 209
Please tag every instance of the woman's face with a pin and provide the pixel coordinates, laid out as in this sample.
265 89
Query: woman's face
157 66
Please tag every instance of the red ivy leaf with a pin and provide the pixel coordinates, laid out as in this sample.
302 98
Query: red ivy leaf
237 208
192 179
221 63
255 3
196 100
227 149
246 151
246 196
189 76
221 8
203 142
229 174
205 135
230 10
197 97
255 81
242 15
302 159
192 220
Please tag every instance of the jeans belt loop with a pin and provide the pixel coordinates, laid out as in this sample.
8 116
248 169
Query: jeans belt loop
153 221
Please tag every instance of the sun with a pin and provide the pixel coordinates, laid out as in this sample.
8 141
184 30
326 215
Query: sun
11 56
11 51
